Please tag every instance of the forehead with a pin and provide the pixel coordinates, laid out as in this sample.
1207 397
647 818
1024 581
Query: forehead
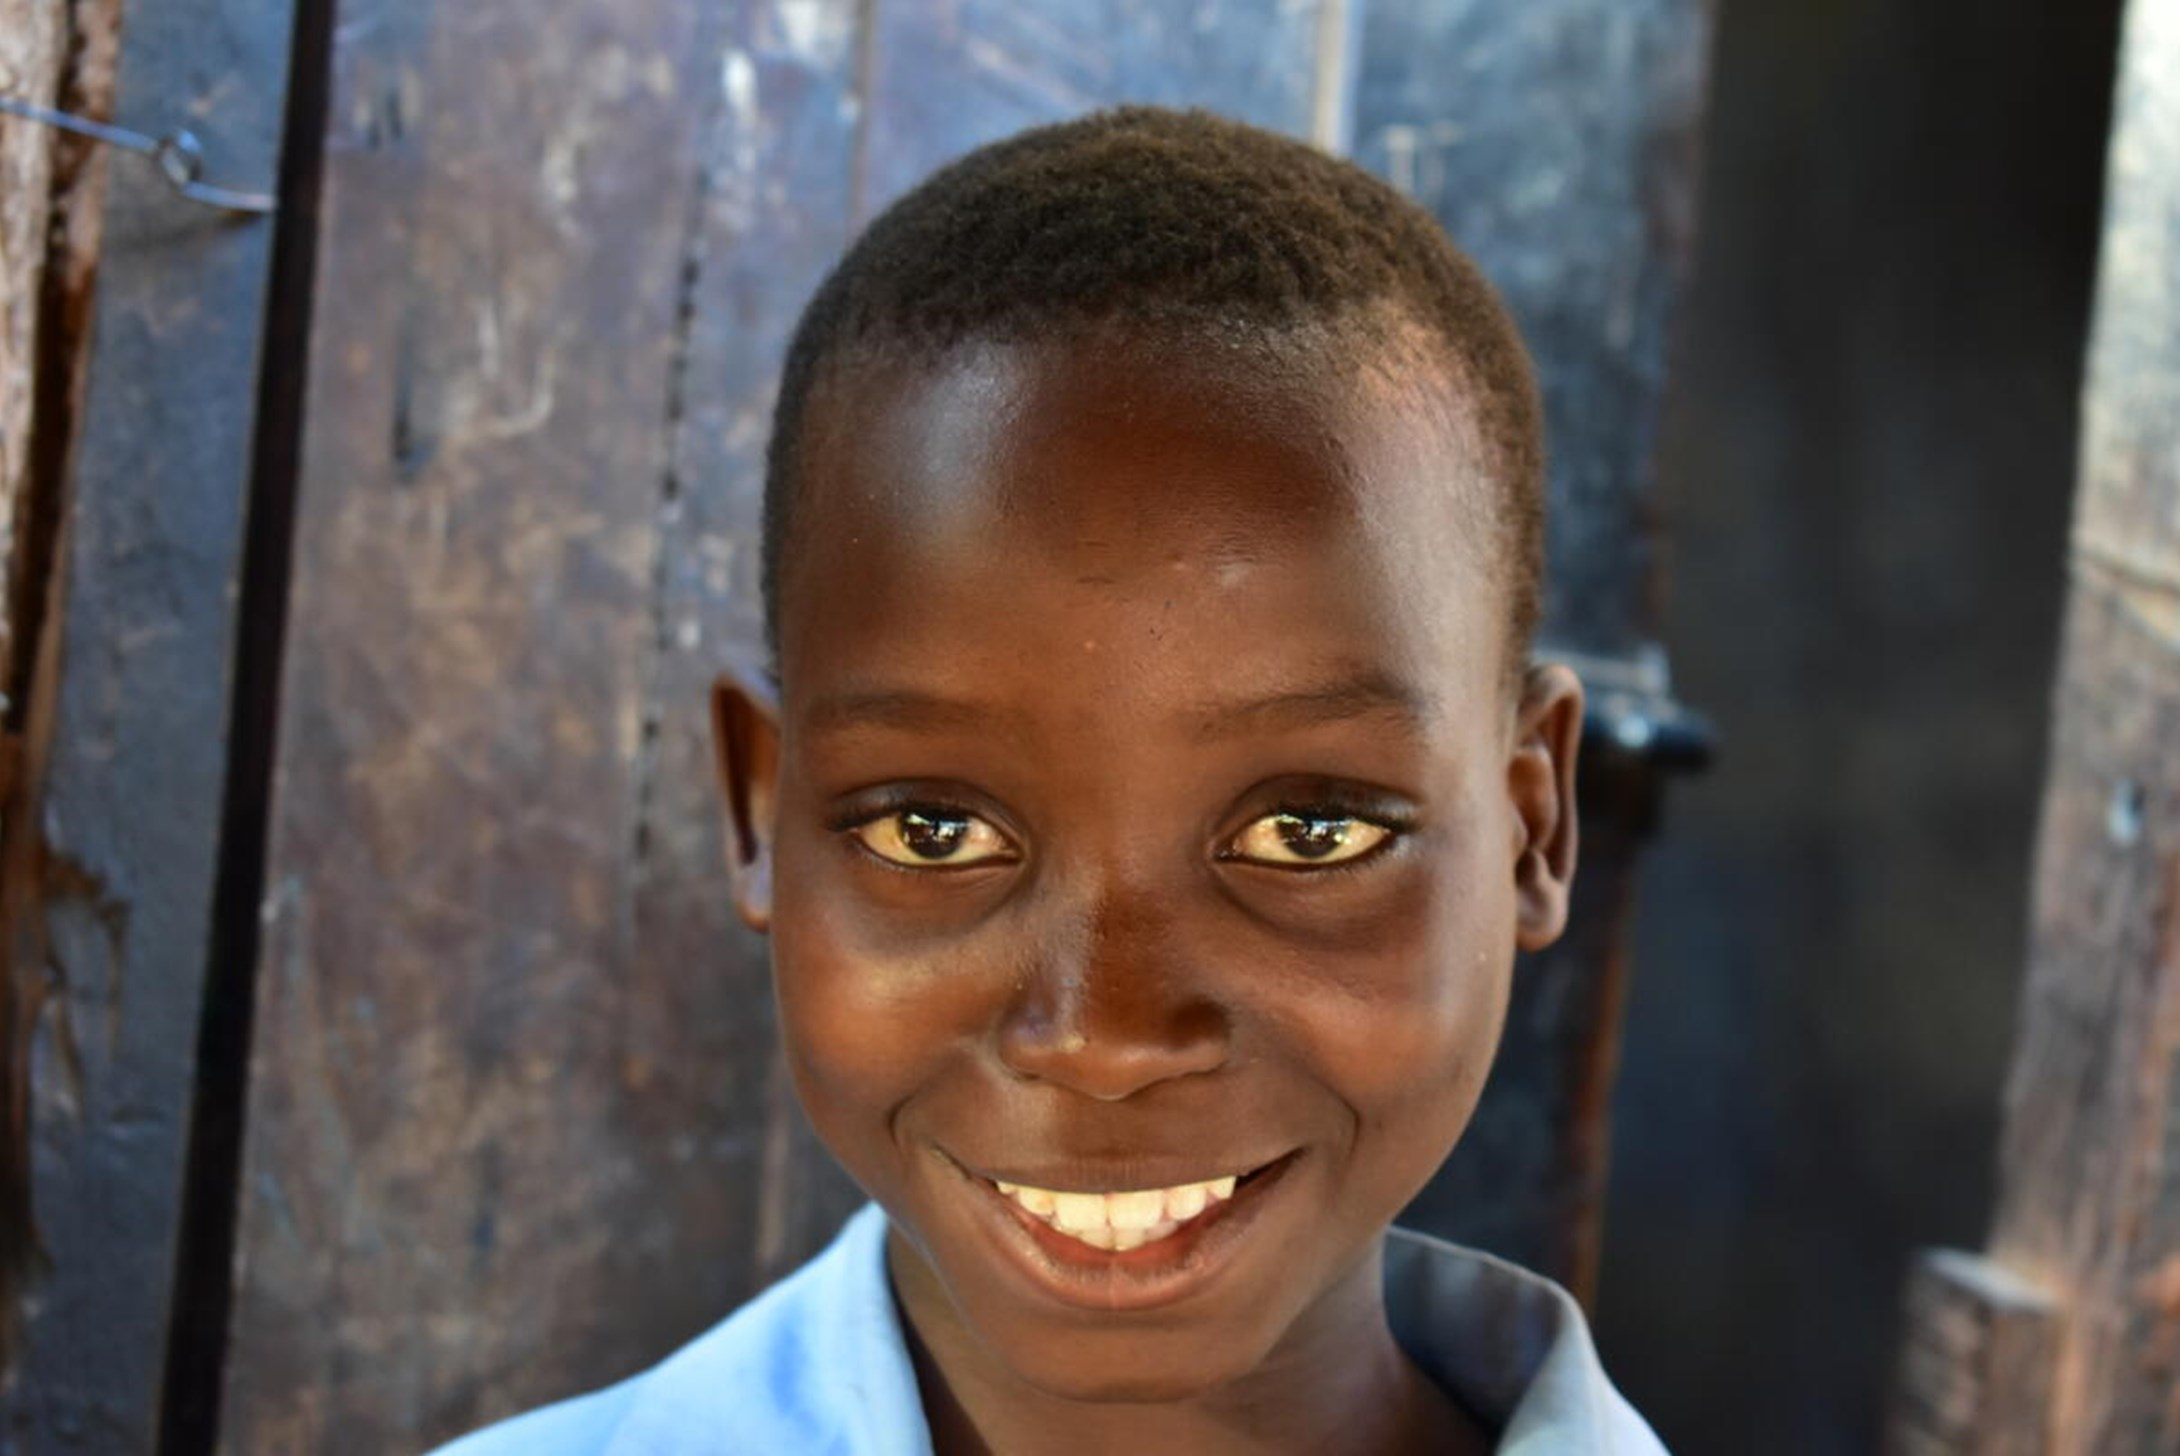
1184 507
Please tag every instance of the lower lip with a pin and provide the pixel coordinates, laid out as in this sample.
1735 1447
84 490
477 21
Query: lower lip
1172 1269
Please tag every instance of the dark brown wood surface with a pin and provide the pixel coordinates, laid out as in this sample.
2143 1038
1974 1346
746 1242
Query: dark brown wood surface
109 880
516 1123
515 1110
2091 1155
457 1099
2090 1160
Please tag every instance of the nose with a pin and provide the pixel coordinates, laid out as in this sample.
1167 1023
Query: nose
1112 1005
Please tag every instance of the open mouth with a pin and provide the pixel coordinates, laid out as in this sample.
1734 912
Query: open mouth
1154 1220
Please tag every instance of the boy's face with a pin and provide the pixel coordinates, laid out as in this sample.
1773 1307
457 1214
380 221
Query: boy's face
1146 807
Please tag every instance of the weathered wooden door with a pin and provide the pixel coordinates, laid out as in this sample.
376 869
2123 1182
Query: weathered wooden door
128 610
2063 1336
511 1118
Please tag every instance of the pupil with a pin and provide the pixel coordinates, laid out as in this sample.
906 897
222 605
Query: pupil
1312 838
932 836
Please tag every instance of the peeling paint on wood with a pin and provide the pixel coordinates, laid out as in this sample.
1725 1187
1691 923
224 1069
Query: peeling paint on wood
31 63
777 209
31 40
111 841
51 196
466 1132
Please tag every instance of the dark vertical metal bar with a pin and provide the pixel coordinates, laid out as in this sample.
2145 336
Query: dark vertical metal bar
113 855
204 1269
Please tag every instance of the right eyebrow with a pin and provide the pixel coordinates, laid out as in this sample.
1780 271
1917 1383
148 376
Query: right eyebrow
1366 694
900 709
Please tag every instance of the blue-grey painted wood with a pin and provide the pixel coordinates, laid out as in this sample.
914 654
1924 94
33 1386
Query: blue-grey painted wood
949 75
1556 141
134 735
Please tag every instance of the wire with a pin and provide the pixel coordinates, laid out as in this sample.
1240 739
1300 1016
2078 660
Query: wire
178 154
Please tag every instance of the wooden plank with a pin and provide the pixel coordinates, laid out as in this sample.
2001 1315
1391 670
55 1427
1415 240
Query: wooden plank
32 37
2090 1165
778 206
52 211
1556 140
125 735
1976 1373
51 196
1557 143
515 1150
2090 1157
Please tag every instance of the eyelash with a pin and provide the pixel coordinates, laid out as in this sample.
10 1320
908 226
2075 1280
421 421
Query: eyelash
888 804
1397 827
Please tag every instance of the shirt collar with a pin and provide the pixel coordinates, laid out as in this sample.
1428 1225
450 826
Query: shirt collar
1511 1346
820 1363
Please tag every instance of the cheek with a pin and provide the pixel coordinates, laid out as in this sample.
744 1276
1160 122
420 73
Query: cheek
868 1016
1430 1030
1405 1030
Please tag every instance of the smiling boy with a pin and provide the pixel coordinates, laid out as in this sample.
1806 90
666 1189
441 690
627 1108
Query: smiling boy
1150 798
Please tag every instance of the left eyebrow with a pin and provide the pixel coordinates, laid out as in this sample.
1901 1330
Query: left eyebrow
1363 695
905 710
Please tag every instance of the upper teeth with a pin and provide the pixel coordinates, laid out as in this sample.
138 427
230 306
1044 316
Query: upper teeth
1121 1220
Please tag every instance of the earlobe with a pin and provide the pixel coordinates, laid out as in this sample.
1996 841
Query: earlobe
1540 781
746 741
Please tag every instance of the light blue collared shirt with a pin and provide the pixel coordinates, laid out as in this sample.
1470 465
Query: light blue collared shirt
818 1366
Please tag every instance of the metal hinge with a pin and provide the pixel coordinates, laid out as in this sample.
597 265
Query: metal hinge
1635 735
178 155
1631 710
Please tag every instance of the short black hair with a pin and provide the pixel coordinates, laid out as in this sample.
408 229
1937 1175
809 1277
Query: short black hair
1168 219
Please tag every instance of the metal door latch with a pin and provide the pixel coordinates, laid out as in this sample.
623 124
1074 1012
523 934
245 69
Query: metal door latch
178 155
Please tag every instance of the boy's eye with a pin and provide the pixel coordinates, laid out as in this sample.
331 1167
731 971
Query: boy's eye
1303 840
927 838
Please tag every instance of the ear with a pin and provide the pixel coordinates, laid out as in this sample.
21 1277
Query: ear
746 740
1540 785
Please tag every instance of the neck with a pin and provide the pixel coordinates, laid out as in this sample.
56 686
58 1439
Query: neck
1336 1381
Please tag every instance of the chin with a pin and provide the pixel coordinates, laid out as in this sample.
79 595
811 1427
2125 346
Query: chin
1145 1376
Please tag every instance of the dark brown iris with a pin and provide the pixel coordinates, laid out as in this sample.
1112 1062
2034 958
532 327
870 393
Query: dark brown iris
933 836
1312 838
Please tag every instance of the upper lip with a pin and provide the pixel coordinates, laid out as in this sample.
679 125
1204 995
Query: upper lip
1111 1176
